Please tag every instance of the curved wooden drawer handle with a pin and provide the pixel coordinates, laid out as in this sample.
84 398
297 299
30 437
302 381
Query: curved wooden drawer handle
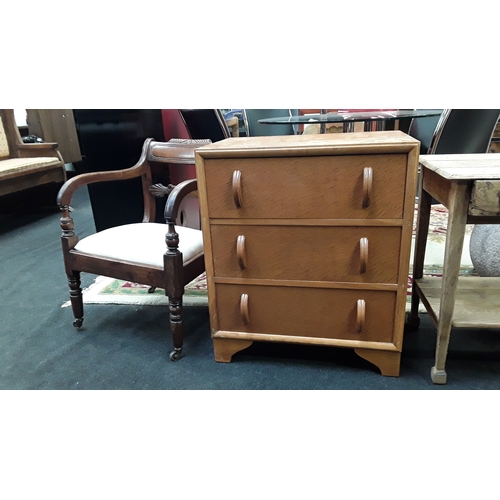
363 255
244 309
241 252
367 186
360 320
238 200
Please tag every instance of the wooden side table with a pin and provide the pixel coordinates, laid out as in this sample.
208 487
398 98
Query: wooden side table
469 186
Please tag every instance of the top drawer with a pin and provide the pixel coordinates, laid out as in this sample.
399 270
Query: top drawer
325 187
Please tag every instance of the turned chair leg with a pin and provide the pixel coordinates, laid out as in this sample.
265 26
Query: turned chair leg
175 309
75 295
174 287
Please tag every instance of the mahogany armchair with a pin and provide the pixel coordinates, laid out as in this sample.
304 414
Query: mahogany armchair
161 256
23 165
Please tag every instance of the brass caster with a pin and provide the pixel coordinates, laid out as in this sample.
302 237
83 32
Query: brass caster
78 322
438 376
175 354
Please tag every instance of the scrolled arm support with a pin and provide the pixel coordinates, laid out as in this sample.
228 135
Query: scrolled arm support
160 191
175 198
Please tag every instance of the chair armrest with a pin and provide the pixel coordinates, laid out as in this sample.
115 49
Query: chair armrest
65 194
38 145
175 198
69 187
45 149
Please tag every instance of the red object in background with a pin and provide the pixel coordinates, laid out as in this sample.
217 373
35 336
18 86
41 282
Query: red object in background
174 128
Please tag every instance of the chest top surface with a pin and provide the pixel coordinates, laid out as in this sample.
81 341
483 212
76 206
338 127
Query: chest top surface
321 144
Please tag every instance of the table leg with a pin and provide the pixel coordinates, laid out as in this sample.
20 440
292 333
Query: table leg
457 220
322 126
423 218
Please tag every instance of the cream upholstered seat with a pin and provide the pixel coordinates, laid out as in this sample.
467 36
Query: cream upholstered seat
11 167
164 256
141 243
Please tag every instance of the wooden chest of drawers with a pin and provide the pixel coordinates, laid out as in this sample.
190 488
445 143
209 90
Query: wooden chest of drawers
307 240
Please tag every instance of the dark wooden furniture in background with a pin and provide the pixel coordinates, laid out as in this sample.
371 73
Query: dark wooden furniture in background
138 252
56 125
112 139
307 240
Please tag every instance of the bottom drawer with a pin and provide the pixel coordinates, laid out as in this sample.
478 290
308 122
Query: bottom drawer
307 312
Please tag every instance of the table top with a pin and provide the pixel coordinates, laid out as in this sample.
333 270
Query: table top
478 166
343 117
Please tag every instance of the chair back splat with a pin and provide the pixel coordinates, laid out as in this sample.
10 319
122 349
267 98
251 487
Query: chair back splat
456 131
464 131
166 256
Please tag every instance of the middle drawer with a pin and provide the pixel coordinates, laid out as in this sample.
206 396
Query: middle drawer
309 253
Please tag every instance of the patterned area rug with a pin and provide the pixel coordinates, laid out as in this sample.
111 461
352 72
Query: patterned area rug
106 290
111 291
434 252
